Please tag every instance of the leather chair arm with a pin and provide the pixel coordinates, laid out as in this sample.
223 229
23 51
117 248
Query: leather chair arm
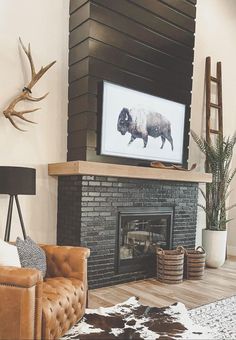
21 303
19 277
67 261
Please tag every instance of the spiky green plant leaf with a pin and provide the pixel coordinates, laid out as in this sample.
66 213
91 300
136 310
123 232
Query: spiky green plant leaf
219 156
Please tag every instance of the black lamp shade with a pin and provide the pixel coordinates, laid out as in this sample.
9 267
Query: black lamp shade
16 180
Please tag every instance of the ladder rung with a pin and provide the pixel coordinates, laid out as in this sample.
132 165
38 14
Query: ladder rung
216 132
214 79
215 106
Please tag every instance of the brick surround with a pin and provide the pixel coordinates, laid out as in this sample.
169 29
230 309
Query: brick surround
87 216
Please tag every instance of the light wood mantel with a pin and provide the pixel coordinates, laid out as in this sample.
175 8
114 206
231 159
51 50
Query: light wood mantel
118 170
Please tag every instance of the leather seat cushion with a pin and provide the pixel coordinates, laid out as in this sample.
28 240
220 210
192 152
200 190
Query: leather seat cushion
63 305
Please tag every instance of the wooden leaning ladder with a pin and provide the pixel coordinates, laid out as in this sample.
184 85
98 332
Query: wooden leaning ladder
209 79
209 105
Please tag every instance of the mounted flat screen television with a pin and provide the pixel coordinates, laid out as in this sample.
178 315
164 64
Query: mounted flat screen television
137 125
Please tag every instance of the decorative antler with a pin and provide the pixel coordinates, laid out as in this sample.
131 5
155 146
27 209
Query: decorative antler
10 111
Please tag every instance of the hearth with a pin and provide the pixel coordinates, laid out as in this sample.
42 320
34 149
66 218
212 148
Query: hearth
140 231
90 207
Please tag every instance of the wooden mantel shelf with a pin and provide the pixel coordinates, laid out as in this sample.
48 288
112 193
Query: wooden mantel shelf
118 170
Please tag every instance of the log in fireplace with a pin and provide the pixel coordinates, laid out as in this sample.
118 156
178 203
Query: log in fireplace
139 233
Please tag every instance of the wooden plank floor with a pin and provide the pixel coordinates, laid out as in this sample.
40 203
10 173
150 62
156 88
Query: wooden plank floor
217 284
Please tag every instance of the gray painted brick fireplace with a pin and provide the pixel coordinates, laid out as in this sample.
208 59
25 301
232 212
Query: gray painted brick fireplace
88 208
146 46
143 45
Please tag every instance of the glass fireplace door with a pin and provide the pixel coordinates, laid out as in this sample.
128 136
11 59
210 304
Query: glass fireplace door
140 234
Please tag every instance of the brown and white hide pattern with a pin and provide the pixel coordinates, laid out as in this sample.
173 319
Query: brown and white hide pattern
133 321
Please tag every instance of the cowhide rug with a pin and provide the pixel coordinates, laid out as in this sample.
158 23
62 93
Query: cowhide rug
131 320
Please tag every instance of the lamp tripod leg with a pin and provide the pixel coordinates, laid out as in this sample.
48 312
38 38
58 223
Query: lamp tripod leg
20 217
9 216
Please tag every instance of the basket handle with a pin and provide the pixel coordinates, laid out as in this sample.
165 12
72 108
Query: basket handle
161 250
181 249
201 249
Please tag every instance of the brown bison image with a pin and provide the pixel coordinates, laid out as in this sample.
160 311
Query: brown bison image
141 124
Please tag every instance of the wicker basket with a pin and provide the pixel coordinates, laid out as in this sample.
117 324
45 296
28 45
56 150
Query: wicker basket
170 265
194 264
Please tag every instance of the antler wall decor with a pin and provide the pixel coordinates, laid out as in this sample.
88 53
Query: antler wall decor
10 111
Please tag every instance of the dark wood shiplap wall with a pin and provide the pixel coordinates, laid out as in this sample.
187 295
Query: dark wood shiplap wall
146 45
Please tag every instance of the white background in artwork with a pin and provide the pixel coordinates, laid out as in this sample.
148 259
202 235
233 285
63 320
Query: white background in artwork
115 98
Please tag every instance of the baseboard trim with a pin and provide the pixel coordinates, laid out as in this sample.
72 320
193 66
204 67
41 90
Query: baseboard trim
231 250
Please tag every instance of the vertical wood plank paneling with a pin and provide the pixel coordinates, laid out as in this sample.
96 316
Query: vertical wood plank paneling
144 45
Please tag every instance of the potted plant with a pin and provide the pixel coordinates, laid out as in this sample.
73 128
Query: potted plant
219 155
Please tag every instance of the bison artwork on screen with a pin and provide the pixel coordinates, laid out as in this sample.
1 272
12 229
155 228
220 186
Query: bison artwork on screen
141 123
138 125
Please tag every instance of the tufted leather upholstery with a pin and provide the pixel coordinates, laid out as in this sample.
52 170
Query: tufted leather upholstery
63 304
34 309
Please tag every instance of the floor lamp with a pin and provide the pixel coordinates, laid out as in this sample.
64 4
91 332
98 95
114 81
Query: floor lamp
16 181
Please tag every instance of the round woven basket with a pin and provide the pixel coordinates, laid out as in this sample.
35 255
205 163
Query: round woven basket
194 264
170 265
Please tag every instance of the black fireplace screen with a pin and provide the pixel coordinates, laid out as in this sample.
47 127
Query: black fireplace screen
140 234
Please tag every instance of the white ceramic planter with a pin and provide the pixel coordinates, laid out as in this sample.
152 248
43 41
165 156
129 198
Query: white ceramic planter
214 242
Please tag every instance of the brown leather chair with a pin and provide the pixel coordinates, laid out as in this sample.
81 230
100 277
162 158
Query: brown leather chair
32 308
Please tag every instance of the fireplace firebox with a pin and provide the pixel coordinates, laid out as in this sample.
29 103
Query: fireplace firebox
140 232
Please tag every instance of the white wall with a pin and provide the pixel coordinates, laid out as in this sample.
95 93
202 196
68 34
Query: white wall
44 24
215 37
